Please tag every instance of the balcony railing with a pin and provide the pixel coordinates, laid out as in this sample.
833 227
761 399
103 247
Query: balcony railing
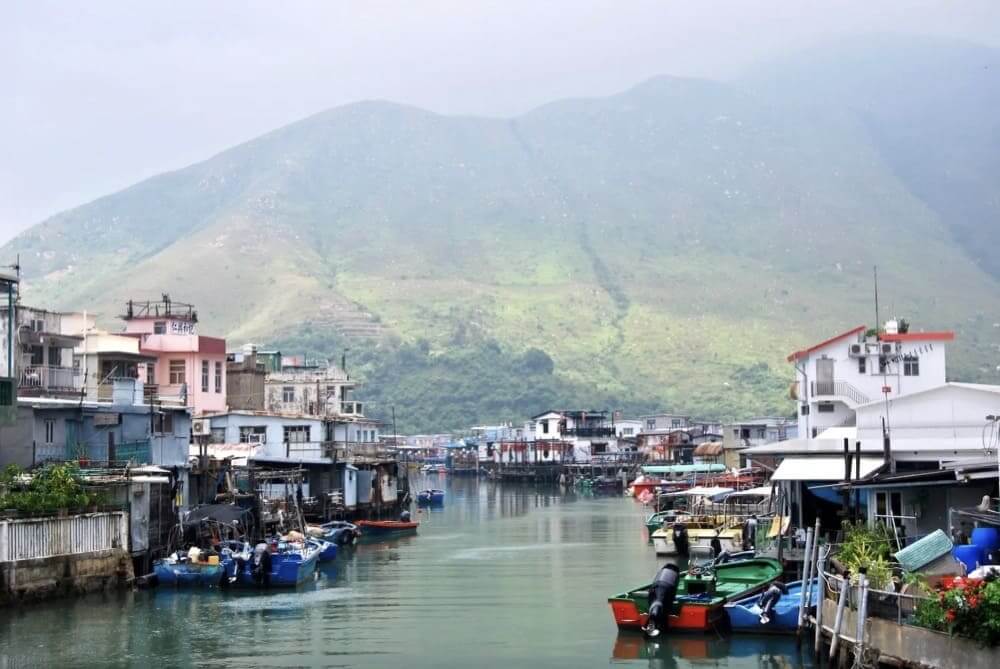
590 432
49 377
839 389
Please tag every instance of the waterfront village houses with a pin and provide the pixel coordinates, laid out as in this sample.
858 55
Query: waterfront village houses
589 436
887 395
189 368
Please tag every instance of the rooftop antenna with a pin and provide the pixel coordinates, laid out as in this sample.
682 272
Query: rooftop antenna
877 321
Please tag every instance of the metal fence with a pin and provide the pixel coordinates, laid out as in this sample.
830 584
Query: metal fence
884 604
34 538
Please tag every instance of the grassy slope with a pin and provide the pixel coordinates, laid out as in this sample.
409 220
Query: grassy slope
666 247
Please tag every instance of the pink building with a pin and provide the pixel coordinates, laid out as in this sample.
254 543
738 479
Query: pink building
189 368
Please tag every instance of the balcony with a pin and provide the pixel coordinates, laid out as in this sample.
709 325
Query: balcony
590 432
352 409
840 390
43 378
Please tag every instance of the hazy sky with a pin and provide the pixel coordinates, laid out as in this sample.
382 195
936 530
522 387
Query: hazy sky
99 95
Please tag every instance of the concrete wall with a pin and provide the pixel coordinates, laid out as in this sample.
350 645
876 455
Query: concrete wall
17 440
64 575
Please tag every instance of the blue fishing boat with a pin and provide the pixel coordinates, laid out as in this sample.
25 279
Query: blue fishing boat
432 496
341 532
288 566
327 549
744 615
178 570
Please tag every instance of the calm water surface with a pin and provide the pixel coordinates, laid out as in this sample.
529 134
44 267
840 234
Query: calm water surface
502 576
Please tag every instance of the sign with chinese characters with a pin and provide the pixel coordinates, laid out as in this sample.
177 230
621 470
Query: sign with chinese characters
182 327
105 419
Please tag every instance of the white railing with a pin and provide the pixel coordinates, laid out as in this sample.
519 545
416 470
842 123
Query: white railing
49 376
33 538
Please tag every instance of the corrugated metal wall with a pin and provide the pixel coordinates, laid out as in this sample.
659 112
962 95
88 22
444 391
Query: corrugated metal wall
33 538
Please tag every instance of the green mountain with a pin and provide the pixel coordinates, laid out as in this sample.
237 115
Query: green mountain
661 248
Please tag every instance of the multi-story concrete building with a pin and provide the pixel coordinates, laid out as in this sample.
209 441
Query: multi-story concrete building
190 369
43 352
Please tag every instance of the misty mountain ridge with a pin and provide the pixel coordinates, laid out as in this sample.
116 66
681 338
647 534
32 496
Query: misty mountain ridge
661 248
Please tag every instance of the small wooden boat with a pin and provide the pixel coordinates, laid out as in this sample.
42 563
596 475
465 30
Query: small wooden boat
432 496
178 570
372 530
744 614
340 532
702 594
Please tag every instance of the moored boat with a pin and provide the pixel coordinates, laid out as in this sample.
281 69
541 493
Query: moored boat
379 529
431 496
287 566
327 549
744 614
699 534
181 570
702 593
340 532
661 519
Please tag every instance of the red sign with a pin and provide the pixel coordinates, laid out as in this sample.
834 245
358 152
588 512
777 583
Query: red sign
886 389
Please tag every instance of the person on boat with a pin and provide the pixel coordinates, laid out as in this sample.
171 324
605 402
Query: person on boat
681 543
404 517
750 532
661 599
770 599
716 544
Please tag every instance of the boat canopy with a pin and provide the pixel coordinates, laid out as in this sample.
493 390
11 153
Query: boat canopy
702 468
821 469
763 491
713 491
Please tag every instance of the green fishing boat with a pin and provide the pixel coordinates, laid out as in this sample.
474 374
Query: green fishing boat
702 594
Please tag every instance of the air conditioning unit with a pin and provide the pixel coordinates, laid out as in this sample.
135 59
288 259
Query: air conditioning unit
887 349
255 439
200 427
857 351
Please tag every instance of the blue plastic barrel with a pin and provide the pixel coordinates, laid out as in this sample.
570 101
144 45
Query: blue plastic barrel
987 538
970 555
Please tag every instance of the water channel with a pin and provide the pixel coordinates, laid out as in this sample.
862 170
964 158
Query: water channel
503 576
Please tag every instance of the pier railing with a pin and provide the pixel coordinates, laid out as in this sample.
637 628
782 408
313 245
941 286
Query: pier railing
34 538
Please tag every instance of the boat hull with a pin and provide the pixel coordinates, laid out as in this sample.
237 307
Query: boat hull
744 614
430 497
693 612
287 570
375 530
699 541
187 575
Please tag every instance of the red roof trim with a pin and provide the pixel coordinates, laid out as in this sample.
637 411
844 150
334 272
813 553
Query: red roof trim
806 351
920 336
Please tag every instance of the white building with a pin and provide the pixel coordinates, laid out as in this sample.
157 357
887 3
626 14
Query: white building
590 433
835 377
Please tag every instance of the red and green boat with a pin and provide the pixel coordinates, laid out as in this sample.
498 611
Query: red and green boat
702 594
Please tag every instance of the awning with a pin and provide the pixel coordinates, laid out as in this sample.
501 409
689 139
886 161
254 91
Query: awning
701 492
684 469
821 469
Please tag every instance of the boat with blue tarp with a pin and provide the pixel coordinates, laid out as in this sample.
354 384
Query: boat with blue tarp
431 496
745 614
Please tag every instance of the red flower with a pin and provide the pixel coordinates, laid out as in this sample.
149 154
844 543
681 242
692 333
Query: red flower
950 615
973 601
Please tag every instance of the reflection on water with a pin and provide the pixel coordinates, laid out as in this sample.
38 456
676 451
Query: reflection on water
501 576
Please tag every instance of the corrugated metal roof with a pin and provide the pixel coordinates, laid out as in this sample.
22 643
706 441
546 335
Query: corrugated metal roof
924 551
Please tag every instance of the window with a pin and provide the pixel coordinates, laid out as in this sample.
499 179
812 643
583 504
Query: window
288 393
805 409
218 435
218 376
50 432
545 427
204 376
676 422
911 365
825 407
177 374
651 424
745 433
627 431
163 422
862 365
296 434
37 355
150 373
160 327
888 504
253 434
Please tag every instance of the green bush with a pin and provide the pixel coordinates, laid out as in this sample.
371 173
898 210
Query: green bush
868 548
52 488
